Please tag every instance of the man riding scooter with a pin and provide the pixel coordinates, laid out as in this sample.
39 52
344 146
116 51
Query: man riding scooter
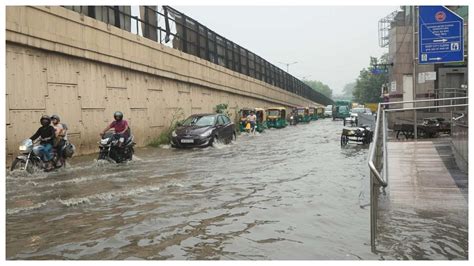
252 119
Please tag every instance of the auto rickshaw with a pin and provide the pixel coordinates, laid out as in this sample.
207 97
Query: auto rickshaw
261 119
312 113
243 113
319 112
276 117
303 114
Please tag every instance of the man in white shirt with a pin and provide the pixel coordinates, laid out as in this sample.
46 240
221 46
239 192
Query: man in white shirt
252 118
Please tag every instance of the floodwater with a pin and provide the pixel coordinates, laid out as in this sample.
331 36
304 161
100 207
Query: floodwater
292 193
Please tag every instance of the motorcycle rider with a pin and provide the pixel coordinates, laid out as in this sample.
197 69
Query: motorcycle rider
61 134
120 126
46 133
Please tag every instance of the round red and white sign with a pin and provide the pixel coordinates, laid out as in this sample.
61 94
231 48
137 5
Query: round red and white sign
440 16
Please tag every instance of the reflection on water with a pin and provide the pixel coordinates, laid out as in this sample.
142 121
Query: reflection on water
292 193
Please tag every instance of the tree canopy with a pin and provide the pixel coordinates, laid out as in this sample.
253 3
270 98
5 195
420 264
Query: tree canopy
319 86
347 90
368 85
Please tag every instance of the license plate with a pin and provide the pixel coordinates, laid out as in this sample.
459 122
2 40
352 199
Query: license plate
187 141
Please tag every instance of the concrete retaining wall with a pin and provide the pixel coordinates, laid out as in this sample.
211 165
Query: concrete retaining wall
61 62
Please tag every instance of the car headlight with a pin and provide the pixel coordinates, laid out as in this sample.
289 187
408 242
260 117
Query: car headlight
23 148
173 134
206 134
104 141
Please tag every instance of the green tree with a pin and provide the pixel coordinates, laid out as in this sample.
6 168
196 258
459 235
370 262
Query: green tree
368 85
319 87
348 89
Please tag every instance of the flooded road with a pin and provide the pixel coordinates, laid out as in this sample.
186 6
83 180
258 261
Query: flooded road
292 193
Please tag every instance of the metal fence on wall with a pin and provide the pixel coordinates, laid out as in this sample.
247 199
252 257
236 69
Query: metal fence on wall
194 38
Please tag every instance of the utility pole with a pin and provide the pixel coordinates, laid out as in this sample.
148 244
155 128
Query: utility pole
415 58
287 65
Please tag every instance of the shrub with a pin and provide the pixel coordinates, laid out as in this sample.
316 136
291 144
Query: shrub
165 135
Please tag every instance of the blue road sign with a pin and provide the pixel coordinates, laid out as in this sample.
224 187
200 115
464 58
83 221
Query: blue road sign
440 38
379 71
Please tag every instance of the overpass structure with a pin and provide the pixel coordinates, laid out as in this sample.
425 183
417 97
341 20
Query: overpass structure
84 65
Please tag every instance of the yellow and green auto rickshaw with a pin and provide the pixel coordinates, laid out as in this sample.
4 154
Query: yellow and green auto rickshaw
312 113
261 119
243 113
319 112
276 117
303 114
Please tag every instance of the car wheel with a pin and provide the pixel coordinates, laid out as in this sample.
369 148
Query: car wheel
213 141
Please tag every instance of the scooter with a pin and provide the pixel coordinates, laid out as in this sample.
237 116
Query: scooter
249 129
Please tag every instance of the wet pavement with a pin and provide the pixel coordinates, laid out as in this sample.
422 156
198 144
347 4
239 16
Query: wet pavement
292 193
423 212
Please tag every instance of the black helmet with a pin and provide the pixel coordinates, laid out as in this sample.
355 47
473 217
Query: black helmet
55 117
118 115
45 120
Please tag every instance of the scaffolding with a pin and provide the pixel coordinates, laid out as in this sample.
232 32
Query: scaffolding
384 28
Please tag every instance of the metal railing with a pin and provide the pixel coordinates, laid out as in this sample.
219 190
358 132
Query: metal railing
378 157
190 36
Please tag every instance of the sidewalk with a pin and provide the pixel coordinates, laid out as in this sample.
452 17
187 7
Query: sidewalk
424 212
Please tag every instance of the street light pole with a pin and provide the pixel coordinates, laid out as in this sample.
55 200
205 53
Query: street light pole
287 65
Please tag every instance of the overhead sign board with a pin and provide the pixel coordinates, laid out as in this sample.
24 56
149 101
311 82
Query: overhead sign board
440 38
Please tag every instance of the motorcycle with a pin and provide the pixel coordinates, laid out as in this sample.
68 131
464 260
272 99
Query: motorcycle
110 150
29 160
293 119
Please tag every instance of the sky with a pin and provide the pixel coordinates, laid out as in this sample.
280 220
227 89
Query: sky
330 44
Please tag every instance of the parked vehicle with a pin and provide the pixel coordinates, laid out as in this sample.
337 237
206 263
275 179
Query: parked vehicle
341 109
328 111
276 117
319 113
372 106
202 130
303 114
352 119
433 126
362 135
28 160
312 113
261 119
111 150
